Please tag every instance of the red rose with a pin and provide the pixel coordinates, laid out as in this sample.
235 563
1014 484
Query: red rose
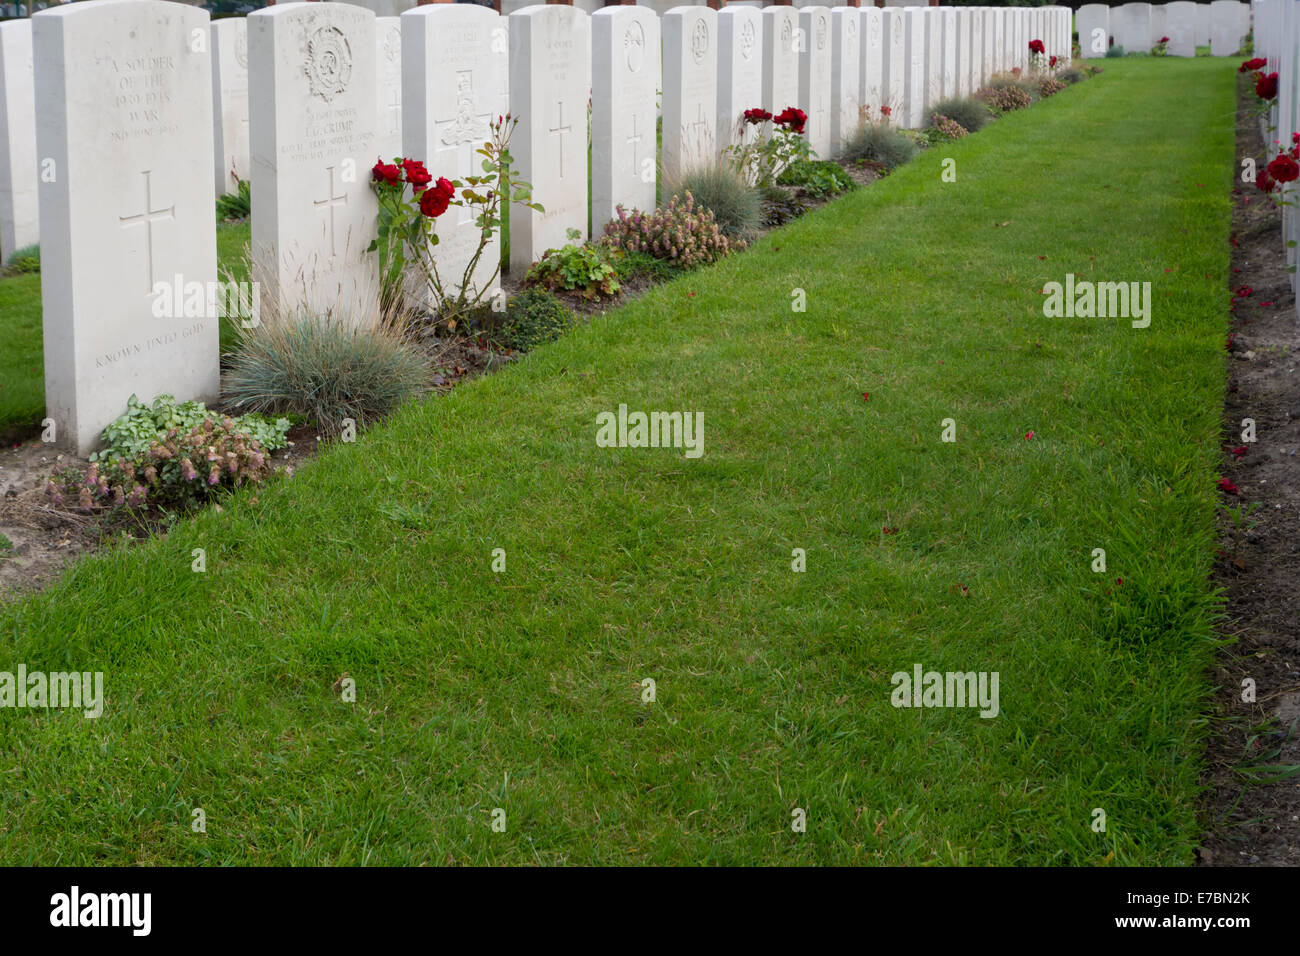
1036 46
757 115
416 174
791 118
1266 85
1164 39
1264 182
1226 485
885 111
436 198
1284 169
1250 66
386 173
1052 62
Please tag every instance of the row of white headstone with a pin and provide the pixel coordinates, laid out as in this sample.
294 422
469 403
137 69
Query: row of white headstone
1277 40
1139 27
126 93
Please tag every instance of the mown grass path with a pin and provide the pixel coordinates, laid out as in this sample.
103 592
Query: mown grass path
522 690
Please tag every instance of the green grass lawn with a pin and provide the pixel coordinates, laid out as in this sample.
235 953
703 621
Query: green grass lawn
22 367
521 690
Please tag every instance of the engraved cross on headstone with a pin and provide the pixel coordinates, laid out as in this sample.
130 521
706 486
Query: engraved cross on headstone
635 142
701 139
563 131
147 219
330 202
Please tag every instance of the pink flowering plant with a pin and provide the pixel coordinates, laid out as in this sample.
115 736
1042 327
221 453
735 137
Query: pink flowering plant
169 455
679 234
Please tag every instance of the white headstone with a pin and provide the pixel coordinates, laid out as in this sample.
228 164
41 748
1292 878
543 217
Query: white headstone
384 8
846 75
690 84
780 58
311 70
1007 34
1093 20
19 225
989 63
1202 24
914 67
740 71
1228 26
124 115
815 77
230 102
455 60
624 86
948 64
1180 24
871 59
894 65
970 37
933 56
550 81
1131 26
1157 28
388 87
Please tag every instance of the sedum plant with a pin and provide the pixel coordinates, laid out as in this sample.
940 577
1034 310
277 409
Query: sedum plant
679 233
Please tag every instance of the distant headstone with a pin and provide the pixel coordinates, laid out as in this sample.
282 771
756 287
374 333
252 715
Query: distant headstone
1229 24
1180 21
690 84
740 71
948 60
846 75
1131 26
550 81
230 102
1093 20
19 217
989 62
455 63
871 59
780 58
970 37
1157 28
124 122
894 65
932 57
384 8
388 87
914 67
624 85
815 77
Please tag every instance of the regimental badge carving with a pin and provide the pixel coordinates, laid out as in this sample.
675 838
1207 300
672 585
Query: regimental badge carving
821 32
874 30
787 33
241 49
852 26
634 47
700 40
467 127
329 63
392 44
747 39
